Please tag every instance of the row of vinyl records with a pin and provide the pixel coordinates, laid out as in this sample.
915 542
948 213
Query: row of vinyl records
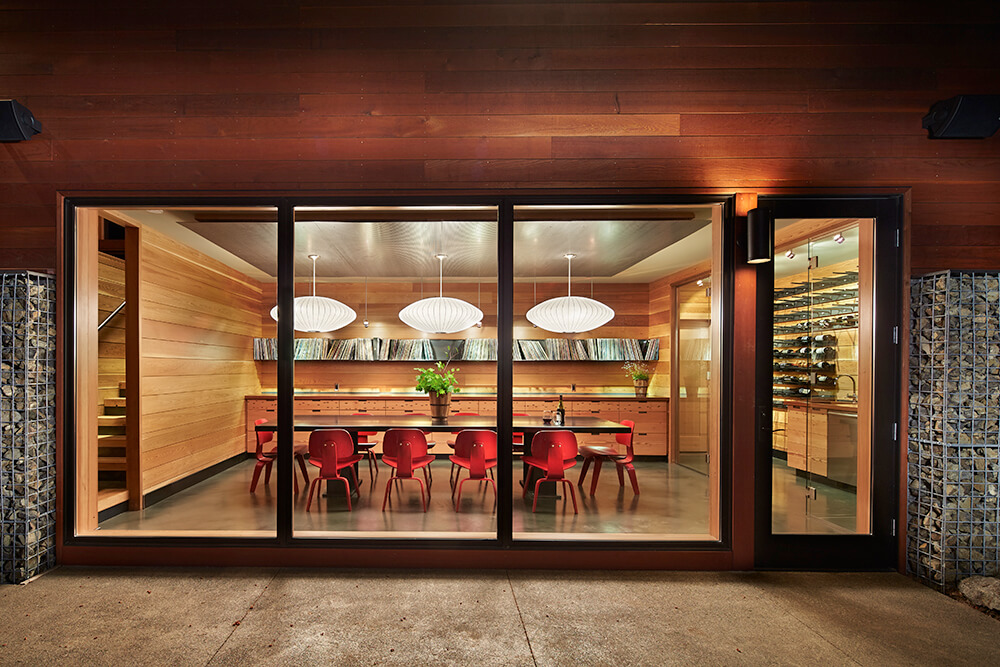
472 349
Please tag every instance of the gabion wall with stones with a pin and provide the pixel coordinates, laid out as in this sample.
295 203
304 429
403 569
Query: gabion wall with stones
953 467
27 425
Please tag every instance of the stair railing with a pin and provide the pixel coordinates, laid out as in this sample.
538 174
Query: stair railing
111 316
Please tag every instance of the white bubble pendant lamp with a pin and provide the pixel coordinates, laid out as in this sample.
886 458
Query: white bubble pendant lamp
440 314
316 314
570 314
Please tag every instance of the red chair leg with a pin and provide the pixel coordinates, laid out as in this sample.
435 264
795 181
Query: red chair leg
459 499
583 471
267 471
631 475
621 477
256 476
534 505
312 487
495 495
302 466
357 482
347 491
388 487
598 462
572 493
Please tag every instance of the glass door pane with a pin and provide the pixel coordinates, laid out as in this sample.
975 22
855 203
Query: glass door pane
822 374
693 371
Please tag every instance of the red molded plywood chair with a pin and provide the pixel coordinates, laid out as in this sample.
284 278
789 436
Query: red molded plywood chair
265 459
600 453
552 452
366 443
405 450
476 451
332 450
518 439
451 443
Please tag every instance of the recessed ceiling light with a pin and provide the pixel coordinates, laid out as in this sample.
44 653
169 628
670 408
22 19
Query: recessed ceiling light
155 211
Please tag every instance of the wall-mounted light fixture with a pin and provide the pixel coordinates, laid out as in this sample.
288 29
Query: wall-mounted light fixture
790 255
760 236
838 237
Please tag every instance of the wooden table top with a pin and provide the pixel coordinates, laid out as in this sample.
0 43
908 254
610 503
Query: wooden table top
355 423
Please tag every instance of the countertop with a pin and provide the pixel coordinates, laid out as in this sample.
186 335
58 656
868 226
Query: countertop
412 394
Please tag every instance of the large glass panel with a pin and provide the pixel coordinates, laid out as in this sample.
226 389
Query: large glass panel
693 372
417 286
595 303
822 376
168 309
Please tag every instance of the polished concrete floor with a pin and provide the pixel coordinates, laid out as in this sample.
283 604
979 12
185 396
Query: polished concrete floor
74 616
673 502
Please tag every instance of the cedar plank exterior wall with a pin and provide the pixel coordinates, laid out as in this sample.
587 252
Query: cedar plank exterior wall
382 96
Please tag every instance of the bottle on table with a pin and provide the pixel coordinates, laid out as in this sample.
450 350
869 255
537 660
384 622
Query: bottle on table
560 416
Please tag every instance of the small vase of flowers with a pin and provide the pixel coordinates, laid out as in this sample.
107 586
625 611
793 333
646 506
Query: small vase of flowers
639 372
439 383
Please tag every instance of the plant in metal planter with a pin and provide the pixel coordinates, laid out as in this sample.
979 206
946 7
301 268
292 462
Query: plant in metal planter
639 372
439 383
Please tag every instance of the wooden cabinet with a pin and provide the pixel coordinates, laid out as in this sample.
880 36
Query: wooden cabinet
822 441
651 428
259 408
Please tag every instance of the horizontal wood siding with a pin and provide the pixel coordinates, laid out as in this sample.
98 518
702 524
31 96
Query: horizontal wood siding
199 319
389 95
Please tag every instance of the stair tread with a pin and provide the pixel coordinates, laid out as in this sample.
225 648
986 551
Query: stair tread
112 437
111 420
114 402
109 497
111 463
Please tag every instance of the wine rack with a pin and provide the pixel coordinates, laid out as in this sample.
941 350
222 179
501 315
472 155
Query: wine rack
809 317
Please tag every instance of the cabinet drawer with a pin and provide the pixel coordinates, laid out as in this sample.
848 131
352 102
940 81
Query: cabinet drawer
405 406
258 408
643 405
375 406
651 444
312 407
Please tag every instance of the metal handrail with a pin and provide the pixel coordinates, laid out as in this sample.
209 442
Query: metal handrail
111 316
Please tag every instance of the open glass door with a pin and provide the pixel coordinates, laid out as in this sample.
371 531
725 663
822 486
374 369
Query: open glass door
829 454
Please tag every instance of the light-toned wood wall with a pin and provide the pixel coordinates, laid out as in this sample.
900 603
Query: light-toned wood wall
386 299
199 321
111 339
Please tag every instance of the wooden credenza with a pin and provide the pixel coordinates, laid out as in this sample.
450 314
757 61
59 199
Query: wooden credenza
649 414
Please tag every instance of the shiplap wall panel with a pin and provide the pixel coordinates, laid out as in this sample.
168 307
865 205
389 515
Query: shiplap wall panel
198 363
461 95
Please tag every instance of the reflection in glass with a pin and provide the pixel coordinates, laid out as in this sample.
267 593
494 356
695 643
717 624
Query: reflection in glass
584 480
822 376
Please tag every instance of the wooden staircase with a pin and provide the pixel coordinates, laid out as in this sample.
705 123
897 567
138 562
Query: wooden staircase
111 452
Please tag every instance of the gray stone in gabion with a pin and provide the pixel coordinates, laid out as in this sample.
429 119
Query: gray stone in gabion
27 425
953 471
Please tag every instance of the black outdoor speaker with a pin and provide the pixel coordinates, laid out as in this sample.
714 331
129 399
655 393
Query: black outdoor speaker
16 122
964 117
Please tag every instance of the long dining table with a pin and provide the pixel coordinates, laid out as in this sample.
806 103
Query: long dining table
373 422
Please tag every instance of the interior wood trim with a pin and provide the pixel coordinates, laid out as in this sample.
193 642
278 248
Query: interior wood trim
86 389
866 377
133 367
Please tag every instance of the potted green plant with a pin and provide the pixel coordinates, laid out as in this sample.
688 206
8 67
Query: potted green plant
439 383
639 372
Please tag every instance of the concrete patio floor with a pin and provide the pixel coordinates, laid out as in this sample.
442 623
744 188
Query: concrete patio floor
106 616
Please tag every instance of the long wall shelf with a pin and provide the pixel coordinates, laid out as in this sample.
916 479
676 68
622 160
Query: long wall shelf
472 349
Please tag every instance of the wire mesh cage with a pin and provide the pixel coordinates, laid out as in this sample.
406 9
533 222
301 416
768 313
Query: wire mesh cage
27 424
953 466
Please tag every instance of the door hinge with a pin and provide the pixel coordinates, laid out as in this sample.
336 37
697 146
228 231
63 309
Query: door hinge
814 262
811 492
895 335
